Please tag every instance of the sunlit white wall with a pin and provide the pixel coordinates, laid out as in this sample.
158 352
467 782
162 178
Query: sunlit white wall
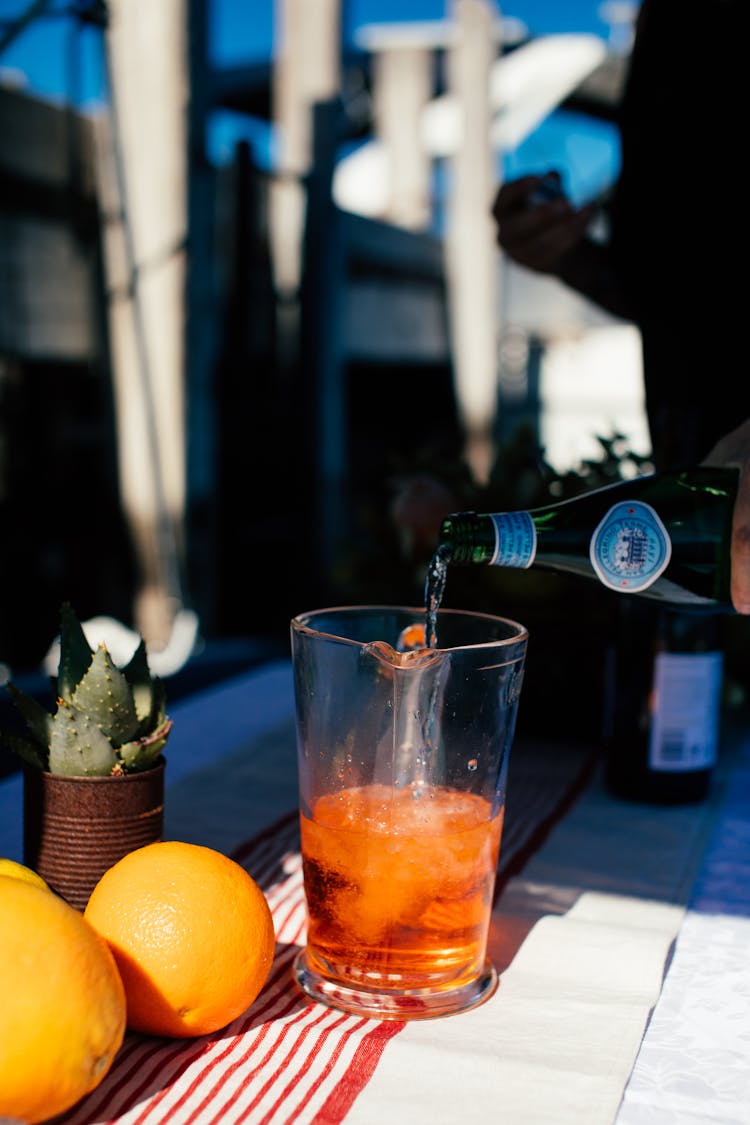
592 386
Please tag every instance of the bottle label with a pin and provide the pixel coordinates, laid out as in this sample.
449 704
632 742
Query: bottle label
515 539
685 723
630 548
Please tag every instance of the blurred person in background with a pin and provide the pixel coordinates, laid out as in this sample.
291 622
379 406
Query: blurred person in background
676 225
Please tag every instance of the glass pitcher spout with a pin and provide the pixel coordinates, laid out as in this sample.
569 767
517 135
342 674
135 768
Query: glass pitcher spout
411 659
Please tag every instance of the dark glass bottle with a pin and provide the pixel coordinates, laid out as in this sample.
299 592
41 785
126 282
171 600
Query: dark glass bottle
662 704
665 536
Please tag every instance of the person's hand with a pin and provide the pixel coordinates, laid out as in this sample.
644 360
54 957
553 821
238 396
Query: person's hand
734 450
537 235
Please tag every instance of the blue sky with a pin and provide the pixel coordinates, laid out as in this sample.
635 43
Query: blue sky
61 60
235 35
243 29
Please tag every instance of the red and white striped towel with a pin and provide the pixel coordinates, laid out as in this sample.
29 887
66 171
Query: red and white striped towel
286 1060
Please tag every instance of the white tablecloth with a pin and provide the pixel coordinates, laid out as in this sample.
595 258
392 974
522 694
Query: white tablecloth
694 1064
583 937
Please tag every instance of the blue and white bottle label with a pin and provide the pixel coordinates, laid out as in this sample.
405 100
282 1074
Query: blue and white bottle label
630 548
515 539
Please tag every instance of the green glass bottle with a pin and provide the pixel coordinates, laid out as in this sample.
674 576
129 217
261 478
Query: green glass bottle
665 536
663 704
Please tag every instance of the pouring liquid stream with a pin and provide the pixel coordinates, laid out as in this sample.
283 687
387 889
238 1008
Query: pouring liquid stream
437 573
415 637
415 699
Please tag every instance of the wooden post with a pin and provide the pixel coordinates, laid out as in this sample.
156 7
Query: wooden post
307 70
145 200
307 268
471 255
324 428
402 88
202 329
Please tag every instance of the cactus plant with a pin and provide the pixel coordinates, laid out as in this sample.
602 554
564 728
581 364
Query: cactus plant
108 720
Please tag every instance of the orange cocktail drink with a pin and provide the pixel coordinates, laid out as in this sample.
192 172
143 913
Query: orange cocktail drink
402 759
399 889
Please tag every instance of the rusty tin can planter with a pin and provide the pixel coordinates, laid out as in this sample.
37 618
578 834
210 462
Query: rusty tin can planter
75 828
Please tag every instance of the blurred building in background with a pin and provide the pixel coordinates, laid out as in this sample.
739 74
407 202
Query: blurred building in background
212 369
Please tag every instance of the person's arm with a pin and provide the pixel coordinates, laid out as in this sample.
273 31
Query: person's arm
734 449
550 237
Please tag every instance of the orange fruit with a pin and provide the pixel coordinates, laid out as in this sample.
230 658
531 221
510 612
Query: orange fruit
192 935
413 636
62 1005
18 871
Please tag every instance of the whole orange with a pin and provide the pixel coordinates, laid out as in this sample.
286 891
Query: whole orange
62 1005
19 871
192 935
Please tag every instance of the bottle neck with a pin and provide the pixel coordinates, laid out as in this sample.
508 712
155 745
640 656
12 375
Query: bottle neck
507 539
467 537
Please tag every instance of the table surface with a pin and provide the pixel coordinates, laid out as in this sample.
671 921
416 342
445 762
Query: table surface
622 943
